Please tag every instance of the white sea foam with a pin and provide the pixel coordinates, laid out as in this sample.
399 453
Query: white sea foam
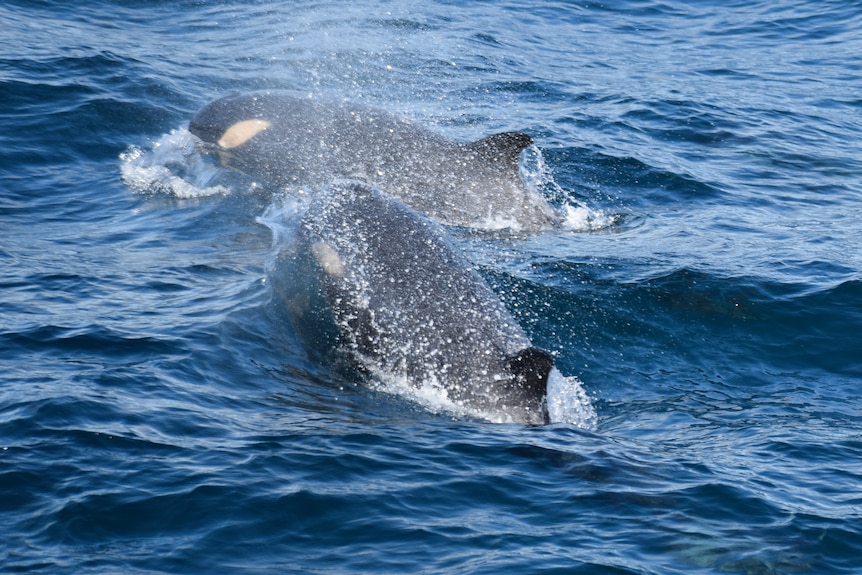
431 396
568 402
577 216
580 218
173 165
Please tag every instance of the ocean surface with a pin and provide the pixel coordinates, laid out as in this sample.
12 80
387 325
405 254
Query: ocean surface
157 415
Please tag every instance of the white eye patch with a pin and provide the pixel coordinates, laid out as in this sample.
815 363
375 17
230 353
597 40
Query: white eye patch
328 259
242 132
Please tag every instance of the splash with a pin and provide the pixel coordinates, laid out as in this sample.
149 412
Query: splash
282 218
430 395
569 403
580 218
576 215
173 165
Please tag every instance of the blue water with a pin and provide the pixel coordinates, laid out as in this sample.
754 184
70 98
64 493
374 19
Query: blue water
157 417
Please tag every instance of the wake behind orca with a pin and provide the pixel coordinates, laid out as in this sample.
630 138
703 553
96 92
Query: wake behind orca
383 285
283 140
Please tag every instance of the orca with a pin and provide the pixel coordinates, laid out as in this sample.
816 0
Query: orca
283 140
383 288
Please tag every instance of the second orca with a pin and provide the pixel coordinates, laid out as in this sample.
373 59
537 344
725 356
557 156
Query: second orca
384 286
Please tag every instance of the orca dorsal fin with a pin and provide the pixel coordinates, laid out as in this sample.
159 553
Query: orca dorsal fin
505 147
532 366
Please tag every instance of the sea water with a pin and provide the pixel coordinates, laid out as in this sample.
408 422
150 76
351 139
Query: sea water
706 293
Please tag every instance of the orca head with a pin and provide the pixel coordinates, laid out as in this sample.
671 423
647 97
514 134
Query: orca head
231 121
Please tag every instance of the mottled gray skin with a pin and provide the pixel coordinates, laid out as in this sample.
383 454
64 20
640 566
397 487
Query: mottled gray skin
311 143
405 303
